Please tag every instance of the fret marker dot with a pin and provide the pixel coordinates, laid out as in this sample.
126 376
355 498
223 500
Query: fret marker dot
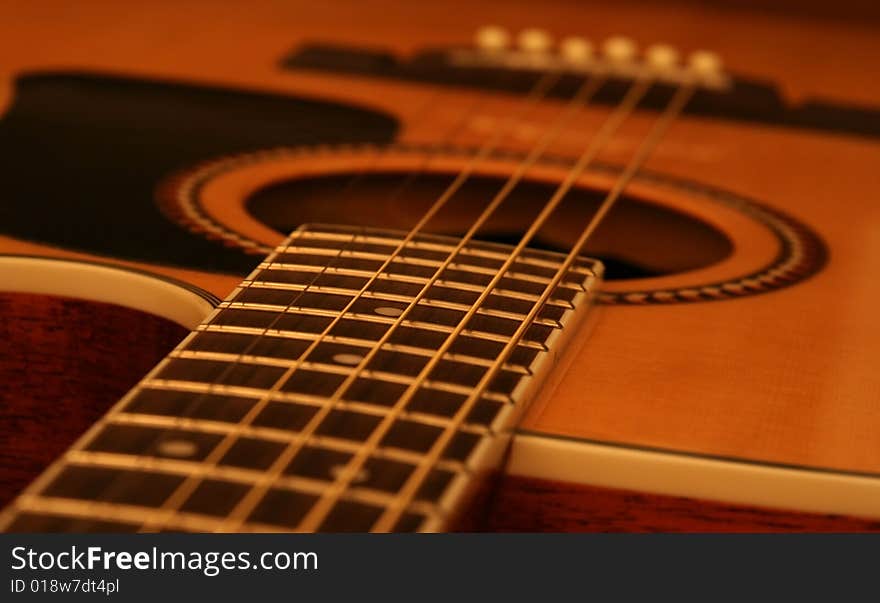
350 359
388 311
177 448
361 476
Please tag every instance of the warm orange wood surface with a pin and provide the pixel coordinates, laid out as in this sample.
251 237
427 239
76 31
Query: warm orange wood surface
788 377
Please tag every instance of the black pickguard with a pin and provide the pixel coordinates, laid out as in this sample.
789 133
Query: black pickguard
81 156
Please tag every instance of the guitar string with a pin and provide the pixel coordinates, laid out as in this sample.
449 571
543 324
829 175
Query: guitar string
543 85
346 188
393 512
353 466
533 97
319 511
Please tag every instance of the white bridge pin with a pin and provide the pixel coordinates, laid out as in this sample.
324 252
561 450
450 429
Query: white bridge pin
534 41
492 38
576 49
705 63
619 49
662 57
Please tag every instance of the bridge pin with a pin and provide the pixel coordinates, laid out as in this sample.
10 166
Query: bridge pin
492 38
662 57
576 49
534 40
619 49
705 63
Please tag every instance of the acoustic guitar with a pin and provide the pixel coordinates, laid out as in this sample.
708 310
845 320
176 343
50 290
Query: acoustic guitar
393 266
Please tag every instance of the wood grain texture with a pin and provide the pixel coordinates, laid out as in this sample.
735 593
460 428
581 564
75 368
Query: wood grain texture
521 504
63 362
789 377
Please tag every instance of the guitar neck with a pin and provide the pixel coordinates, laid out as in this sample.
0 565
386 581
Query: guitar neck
357 380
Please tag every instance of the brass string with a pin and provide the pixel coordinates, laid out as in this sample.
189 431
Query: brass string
583 96
319 511
392 513
346 188
544 84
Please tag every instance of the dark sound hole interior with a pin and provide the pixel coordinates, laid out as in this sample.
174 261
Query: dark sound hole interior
638 239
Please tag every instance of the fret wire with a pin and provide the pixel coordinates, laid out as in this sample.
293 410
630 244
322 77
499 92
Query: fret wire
253 392
490 312
89 509
482 362
472 247
404 277
403 298
343 238
380 319
333 369
76 509
350 340
474 360
172 506
117 460
427 326
319 511
681 97
273 435
141 515
188 486
544 83
325 368
518 295
229 356
384 320
463 265
204 328
216 472
205 387
378 410
415 230
274 361
366 344
441 303
456 389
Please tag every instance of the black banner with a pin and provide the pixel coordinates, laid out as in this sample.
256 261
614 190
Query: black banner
433 567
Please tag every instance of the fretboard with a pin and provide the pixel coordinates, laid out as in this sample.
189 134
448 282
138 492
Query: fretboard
330 371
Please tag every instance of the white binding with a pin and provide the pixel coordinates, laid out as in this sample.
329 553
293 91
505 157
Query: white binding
97 282
679 474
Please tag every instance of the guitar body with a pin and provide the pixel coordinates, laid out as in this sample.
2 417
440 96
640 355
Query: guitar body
727 379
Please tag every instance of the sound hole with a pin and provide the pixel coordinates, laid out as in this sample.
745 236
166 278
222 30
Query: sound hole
638 239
